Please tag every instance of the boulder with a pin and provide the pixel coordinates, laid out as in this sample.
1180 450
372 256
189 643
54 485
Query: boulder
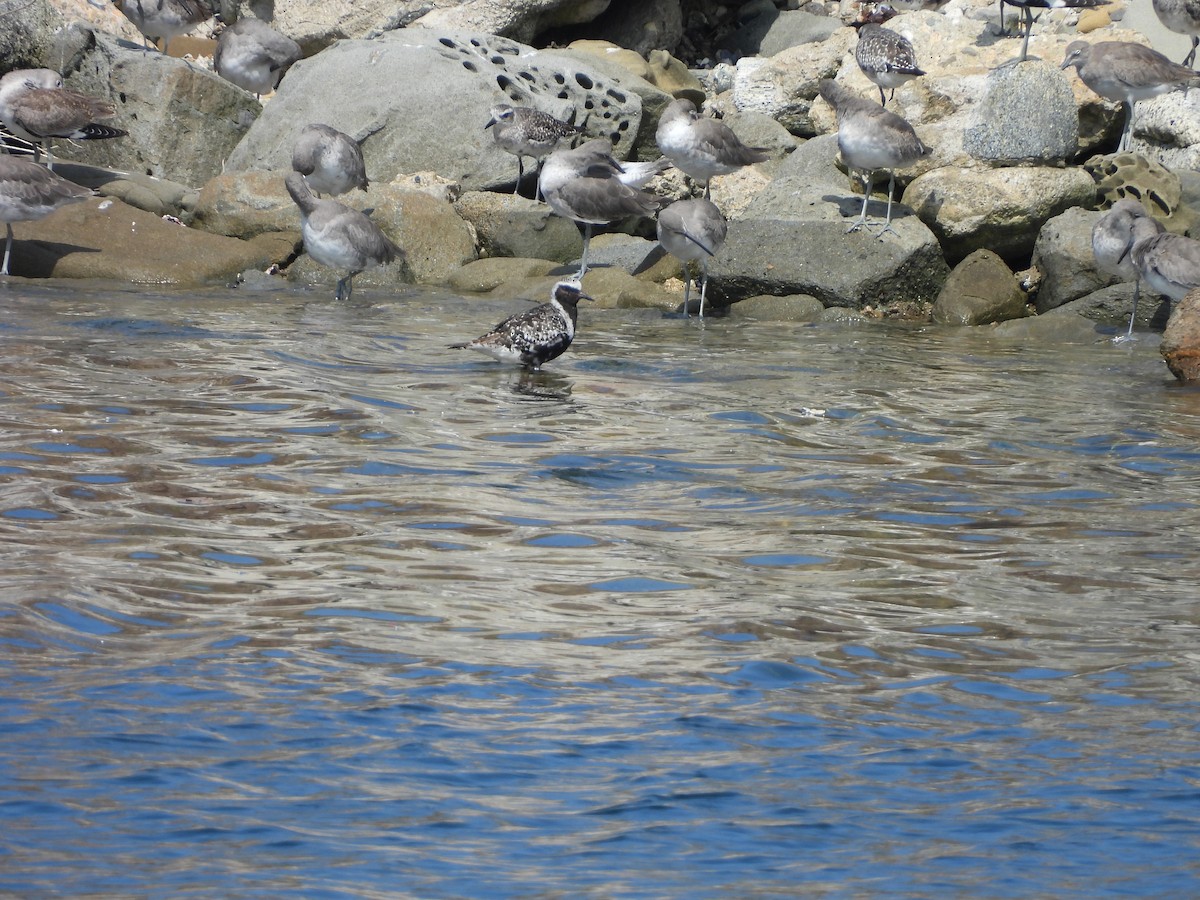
508 225
997 209
1180 346
520 19
785 86
1112 305
1059 326
770 31
792 308
1063 256
110 239
641 27
981 289
1167 129
485 275
387 92
1027 114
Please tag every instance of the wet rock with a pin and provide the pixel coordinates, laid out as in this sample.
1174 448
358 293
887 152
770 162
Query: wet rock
109 239
1180 346
1027 114
1112 305
485 275
997 209
1059 326
616 289
981 289
516 226
792 308
1063 256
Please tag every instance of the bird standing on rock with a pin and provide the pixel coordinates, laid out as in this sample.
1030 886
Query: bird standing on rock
36 107
701 147
886 57
692 230
534 337
1182 17
1028 18
871 138
254 56
332 162
525 131
339 237
164 19
29 191
1112 246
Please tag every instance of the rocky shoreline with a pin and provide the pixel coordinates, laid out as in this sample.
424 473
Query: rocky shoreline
995 223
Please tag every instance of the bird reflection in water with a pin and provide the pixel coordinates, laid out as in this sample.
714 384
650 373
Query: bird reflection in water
541 385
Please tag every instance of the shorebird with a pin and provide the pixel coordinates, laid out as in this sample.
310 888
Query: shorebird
692 230
1028 18
331 162
886 57
339 237
525 131
1127 72
35 106
534 337
164 19
254 56
872 138
702 147
1168 263
584 185
1112 243
29 191
1182 17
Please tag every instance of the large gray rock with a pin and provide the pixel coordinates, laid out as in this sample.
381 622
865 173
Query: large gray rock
1113 304
980 290
1167 129
772 31
418 101
1027 114
520 19
785 86
1063 254
515 226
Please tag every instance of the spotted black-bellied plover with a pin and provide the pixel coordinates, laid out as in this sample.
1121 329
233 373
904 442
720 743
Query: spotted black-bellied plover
35 106
584 184
1028 18
872 138
1112 245
702 147
254 56
164 19
1168 263
525 131
332 162
534 337
692 230
1182 17
1127 72
339 237
29 191
886 57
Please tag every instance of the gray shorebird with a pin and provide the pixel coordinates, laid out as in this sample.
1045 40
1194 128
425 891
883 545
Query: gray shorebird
1028 18
29 191
871 138
1112 245
339 237
1182 17
35 106
254 56
331 161
886 57
164 19
534 337
525 131
692 230
701 147
584 185
1127 72
1168 263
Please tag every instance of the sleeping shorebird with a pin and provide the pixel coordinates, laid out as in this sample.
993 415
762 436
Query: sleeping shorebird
692 230
1168 263
871 138
534 337
332 162
585 185
701 147
886 57
35 106
1182 17
29 191
254 56
339 237
1112 245
525 131
1127 72
164 19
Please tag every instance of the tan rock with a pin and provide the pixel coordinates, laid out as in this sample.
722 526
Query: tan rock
1180 346
981 289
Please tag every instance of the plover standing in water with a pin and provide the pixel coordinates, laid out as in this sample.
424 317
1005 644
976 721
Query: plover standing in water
339 237
534 337
1127 72
1168 263
1182 17
692 230
35 106
886 57
254 56
525 131
29 191
164 19
1028 18
584 185
1112 245
331 161
702 147
872 138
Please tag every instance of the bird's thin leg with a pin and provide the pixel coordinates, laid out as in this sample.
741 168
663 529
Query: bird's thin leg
708 189
537 185
587 238
687 289
861 221
887 223
520 174
49 158
703 284
1025 41
1191 57
345 287
882 99
1127 132
1128 335
7 249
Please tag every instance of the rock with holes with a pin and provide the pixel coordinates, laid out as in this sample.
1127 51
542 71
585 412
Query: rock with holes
1136 176
418 100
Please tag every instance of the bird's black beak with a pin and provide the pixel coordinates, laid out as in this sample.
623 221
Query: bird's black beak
490 123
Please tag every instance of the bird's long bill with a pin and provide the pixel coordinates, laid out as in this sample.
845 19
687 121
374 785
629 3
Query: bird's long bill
489 124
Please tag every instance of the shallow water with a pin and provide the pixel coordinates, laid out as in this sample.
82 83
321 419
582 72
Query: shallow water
296 600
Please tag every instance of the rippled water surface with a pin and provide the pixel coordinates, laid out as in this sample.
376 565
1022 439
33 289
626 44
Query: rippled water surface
297 602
